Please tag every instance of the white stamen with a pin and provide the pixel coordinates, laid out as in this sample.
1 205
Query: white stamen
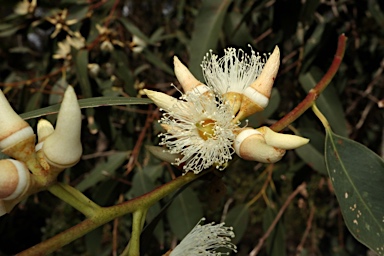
205 239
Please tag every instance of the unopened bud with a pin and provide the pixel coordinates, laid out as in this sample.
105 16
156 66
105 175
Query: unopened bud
256 96
14 179
186 79
63 148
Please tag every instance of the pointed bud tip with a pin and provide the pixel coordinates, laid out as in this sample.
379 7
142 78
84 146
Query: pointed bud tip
281 140
63 147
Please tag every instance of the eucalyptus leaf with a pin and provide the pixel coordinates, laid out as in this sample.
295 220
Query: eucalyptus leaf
238 218
87 103
184 213
357 175
103 171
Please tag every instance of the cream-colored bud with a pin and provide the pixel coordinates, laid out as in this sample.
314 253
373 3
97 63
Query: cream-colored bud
162 100
63 148
280 140
186 79
13 128
44 129
14 179
256 96
250 145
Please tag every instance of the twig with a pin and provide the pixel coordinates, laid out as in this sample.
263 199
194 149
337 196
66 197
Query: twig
306 232
315 92
257 249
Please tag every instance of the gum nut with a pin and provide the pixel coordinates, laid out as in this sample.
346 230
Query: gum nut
63 148
14 179
250 145
281 140
13 128
185 77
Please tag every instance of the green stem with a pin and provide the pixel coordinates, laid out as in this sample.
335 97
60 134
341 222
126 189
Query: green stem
106 214
75 198
315 92
321 117
133 248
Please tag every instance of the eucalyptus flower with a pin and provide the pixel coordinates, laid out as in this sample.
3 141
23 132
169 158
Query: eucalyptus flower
198 127
205 240
245 81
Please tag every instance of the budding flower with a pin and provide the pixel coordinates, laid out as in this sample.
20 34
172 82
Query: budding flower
186 79
14 179
13 128
264 145
256 96
162 100
44 129
62 148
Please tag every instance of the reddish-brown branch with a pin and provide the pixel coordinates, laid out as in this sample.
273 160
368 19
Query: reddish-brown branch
315 92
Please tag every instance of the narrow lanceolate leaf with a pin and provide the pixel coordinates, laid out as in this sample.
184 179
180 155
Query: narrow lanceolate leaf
238 218
184 212
208 26
87 103
357 175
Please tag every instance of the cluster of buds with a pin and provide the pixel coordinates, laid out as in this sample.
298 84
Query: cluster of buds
35 167
203 126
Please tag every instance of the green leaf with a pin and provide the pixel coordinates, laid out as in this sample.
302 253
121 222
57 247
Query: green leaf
102 171
155 60
312 153
81 67
208 26
238 218
133 29
357 175
87 103
184 213
328 102
377 14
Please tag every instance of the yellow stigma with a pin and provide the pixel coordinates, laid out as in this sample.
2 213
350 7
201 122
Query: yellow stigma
206 129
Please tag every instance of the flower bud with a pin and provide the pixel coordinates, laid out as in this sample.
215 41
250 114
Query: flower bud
44 129
264 145
63 148
251 145
14 179
13 128
256 96
162 100
186 79
281 140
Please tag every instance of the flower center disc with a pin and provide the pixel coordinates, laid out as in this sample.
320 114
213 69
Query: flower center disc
206 129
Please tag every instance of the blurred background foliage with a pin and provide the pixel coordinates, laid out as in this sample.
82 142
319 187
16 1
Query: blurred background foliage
118 47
